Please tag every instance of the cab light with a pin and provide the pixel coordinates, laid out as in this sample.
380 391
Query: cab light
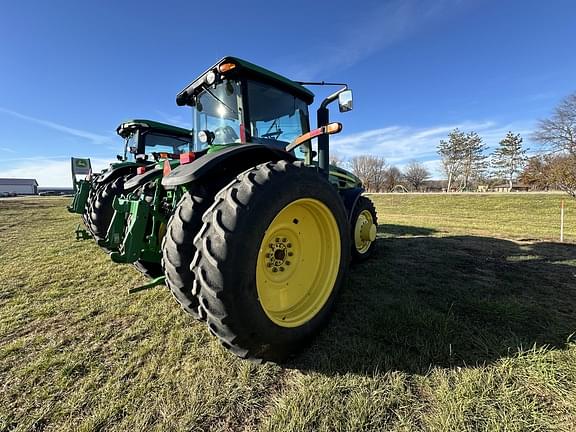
225 67
186 158
140 170
210 78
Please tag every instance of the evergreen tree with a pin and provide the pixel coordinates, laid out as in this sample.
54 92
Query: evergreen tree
474 160
452 154
462 157
509 158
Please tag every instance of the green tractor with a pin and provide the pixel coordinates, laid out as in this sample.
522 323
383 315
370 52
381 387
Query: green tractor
255 230
145 142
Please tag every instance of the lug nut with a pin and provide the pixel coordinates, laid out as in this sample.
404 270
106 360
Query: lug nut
274 269
290 253
287 262
281 268
284 240
269 265
289 245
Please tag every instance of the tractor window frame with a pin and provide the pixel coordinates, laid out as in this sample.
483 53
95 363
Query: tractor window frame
249 108
184 140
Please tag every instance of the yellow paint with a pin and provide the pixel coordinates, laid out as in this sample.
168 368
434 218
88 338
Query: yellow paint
364 231
298 262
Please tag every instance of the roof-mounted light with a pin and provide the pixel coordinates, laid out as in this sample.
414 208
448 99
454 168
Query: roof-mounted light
210 78
225 67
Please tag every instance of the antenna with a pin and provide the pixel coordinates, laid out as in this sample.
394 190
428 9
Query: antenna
320 83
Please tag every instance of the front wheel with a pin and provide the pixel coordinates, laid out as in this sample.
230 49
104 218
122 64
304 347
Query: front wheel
363 229
271 255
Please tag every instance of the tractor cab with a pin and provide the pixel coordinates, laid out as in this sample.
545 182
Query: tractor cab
236 102
147 140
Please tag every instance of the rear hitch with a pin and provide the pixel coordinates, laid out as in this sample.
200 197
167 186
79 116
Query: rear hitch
153 283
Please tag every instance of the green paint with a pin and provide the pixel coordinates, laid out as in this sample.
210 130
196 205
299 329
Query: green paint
80 197
127 127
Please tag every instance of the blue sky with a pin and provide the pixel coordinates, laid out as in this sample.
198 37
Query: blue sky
71 71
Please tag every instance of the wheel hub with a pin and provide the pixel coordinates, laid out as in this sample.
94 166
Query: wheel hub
279 254
364 231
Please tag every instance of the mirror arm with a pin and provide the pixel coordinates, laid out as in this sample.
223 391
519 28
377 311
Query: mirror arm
333 97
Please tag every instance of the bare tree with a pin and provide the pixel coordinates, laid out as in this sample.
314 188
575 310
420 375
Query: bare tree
559 131
337 160
534 173
509 158
392 178
371 170
416 174
561 172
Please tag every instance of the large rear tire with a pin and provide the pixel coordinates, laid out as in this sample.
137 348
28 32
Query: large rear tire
178 249
271 255
100 212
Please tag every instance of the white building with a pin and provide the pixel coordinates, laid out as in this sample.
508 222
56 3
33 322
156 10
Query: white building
18 186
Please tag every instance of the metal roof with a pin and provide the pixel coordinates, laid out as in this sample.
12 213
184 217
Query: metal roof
16 181
250 70
125 128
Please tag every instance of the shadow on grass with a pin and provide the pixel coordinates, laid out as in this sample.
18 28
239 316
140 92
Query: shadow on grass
404 230
448 302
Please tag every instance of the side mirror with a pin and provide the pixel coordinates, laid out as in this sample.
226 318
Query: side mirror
120 158
345 101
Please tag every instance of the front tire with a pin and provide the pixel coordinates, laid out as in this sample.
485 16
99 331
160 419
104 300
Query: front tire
363 229
270 258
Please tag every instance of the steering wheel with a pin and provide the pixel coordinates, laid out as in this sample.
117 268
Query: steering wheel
225 134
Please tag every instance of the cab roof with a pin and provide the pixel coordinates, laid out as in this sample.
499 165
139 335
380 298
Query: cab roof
248 70
129 126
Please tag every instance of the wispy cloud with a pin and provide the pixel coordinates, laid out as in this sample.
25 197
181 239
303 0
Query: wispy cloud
94 138
176 120
401 144
7 150
49 172
365 35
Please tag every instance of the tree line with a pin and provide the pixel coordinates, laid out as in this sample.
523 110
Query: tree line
378 176
466 164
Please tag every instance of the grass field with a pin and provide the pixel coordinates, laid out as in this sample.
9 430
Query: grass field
463 320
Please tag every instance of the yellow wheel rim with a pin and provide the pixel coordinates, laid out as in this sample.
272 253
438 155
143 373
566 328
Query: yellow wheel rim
298 262
162 231
364 231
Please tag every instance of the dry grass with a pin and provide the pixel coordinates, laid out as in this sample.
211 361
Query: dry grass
451 326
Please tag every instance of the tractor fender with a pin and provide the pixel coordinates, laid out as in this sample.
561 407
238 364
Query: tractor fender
350 198
142 179
225 163
113 173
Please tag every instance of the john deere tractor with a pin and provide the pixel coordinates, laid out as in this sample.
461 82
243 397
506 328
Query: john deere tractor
254 229
145 142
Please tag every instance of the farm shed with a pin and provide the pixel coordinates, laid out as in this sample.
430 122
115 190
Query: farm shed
516 187
18 186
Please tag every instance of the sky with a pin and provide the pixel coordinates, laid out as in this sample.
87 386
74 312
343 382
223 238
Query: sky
71 71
